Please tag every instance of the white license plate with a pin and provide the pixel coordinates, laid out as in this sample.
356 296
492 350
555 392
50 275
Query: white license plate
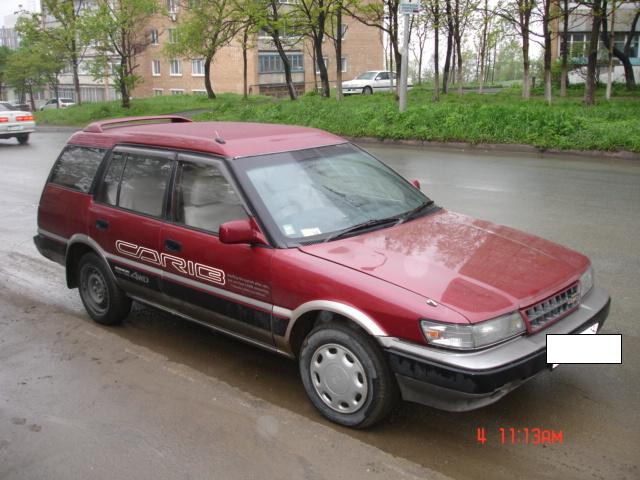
592 330
13 128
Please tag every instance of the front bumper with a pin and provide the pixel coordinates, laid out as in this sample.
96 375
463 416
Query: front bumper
461 381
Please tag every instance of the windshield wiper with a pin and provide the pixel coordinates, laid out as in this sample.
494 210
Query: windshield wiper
362 226
411 214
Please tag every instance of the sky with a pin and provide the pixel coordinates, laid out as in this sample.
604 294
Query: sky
7 7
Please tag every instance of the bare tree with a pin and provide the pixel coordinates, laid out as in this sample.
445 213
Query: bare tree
518 13
624 54
447 59
420 25
484 43
546 32
592 57
460 15
384 16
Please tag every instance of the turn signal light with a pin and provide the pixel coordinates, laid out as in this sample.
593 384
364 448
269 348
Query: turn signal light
25 118
4 119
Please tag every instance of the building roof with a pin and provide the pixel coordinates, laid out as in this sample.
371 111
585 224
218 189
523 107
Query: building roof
228 139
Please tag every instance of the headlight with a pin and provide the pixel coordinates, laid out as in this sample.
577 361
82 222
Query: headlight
586 282
469 337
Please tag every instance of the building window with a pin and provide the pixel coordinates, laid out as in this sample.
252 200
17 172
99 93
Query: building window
177 91
158 92
197 67
199 92
176 67
343 28
326 64
171 6
343 64
173 35
272 63
155 68
155 40
621 39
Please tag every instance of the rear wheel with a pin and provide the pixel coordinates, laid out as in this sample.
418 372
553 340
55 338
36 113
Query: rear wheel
23 138
105 302
367 91
346 376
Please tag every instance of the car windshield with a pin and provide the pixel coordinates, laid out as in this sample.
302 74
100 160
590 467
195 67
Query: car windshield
312 195
4 108
366 76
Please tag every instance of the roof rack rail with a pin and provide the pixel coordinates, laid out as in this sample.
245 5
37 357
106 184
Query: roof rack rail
101 126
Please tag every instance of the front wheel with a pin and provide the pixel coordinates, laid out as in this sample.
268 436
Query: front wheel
104 301
346 376
23 138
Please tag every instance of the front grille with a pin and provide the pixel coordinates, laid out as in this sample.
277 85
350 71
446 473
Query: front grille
553 308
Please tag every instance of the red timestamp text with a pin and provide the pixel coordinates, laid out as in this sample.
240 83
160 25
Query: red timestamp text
520 436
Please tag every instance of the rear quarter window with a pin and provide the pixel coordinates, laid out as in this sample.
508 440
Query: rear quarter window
76 167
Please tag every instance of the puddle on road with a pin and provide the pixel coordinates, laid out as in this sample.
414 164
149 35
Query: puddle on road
442 441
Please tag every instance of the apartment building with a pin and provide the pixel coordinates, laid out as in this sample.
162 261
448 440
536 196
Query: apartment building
9 38
580 22
362 50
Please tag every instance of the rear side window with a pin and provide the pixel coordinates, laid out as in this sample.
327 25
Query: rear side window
108 190
76 167
144 183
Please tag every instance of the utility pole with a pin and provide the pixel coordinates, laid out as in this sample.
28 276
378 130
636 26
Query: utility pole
407 7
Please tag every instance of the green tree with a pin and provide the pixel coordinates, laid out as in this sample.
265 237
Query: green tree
311 18
62 35
115 28
277 21
32 67
5 55
204 28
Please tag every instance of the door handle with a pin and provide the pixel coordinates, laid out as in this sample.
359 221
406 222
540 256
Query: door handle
102 224
172 245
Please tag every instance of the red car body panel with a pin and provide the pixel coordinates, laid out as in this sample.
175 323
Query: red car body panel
63 211
477 268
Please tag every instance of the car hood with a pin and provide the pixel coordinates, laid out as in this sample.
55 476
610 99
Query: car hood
475 267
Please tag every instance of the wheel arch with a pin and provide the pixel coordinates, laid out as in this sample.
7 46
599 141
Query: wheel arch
304 318
78 246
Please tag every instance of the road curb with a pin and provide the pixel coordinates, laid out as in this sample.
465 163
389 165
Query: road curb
499 147
457 146
56 128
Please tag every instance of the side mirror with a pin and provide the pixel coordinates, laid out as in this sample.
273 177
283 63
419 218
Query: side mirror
415 183
241 231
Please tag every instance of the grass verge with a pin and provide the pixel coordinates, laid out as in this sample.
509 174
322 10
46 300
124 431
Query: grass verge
490 118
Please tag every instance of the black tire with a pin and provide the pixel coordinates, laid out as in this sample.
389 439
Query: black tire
23 138
105 302
367 91
381 387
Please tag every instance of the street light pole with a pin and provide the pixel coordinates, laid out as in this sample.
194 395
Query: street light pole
404 65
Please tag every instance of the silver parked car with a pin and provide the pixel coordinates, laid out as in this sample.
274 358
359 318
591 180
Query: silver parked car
371 82
16 123
58 103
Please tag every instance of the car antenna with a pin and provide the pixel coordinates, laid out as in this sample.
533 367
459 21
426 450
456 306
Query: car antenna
219 139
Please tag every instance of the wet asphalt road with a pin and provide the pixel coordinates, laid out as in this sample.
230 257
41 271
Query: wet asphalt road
161 398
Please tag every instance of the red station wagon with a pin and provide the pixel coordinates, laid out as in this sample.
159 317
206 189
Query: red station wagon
299 242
